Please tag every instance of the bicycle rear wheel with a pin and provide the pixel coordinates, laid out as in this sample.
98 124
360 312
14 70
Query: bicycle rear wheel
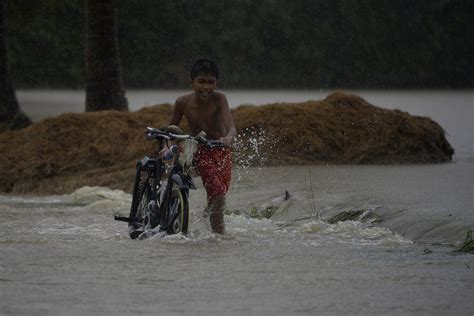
178 207
139 212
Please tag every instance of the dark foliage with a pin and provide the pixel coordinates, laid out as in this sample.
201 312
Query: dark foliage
11 117
258 44
104 82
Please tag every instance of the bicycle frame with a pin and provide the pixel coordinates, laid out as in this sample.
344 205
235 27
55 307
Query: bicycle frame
155 169
157 210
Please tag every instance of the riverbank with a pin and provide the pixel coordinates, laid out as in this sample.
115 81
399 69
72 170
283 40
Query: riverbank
63 153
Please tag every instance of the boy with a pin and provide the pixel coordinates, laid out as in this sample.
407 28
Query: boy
207 110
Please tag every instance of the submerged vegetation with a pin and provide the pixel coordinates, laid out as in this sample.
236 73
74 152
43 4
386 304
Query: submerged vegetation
61 154
468 245
357 215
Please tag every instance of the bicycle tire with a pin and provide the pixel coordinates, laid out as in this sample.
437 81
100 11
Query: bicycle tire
139 214
179 205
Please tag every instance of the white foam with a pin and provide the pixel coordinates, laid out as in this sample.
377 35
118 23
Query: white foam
88 195
354 232
93 206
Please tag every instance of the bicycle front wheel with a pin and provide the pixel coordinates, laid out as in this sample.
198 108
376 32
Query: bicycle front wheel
178 207
139 213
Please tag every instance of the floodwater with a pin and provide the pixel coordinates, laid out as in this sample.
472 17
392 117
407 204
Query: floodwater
66 255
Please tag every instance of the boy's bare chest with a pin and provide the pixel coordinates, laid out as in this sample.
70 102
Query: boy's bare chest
203 117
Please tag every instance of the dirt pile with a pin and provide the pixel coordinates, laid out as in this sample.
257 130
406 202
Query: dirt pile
63 153
344 129
60 154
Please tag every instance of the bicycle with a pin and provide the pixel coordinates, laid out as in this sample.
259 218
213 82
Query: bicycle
163 206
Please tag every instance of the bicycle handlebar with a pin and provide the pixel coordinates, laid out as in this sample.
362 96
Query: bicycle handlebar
155 133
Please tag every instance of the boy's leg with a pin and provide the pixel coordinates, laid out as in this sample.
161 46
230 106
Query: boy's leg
216 191
217 214
214 167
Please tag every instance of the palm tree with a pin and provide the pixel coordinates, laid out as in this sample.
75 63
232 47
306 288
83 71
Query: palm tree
104 82
11 116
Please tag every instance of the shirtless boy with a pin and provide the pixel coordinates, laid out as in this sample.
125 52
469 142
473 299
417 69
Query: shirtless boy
207 110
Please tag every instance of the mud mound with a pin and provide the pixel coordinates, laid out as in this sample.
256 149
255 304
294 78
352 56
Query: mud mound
344 129
63 153
60 154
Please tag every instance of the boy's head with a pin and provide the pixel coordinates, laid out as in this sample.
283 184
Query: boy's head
204 67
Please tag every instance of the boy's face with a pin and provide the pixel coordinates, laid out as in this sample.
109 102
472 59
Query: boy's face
204 85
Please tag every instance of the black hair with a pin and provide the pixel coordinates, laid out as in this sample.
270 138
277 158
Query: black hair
204 66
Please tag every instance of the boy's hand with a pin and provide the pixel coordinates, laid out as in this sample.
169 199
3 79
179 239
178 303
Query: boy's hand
163 152
227 140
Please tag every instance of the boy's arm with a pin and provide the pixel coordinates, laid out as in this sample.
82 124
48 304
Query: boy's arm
228 123
177 113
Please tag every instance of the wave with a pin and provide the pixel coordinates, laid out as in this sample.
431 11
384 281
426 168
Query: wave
94 208
262 216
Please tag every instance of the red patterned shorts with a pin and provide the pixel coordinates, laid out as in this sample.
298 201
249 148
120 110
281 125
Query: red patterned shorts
214 165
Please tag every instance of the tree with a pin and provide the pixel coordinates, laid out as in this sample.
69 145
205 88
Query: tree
11 116
104 82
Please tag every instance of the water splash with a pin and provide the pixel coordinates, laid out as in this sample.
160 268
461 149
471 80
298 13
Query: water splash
250 149
247 148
